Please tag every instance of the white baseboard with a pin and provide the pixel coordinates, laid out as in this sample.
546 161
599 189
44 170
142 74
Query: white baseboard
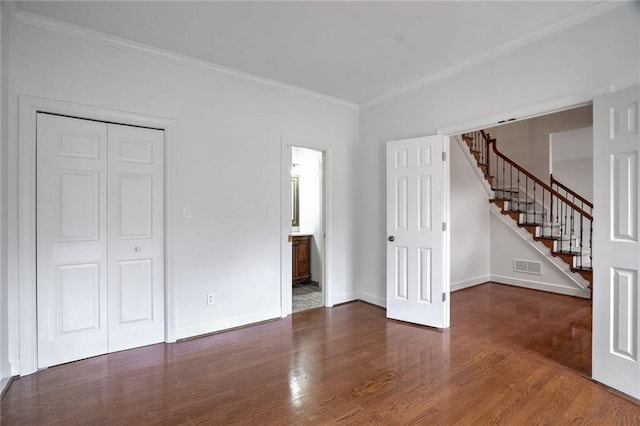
370 298
227 323
4 384
470 282
537 285
342 298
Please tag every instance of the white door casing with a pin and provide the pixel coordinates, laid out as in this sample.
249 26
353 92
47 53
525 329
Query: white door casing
71 239
100 238
135 244
287 143
417 237
616 261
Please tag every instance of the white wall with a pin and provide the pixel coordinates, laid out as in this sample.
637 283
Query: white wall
506 246
4 332
527 142
594 54
228 167
309 170
572 159
470 231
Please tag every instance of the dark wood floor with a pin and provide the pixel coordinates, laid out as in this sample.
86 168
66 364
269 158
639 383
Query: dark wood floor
512 356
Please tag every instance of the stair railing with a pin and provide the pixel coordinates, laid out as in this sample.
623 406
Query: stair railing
556 210
480 149
585 204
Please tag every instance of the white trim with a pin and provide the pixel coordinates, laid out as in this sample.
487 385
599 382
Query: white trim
526 112
539 285
227 323
4 384
285 221
53 25
577 279
370 298
29 106
592 12
344 298
446 254
471 282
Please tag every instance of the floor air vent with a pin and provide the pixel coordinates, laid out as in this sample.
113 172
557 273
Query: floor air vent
527 266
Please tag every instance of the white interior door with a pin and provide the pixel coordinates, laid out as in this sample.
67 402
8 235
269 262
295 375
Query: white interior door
100 283
71 239
135 242
616 260
417 253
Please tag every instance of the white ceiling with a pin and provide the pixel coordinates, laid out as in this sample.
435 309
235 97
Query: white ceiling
355 51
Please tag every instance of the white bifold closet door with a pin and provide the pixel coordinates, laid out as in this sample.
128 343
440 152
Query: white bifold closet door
100 238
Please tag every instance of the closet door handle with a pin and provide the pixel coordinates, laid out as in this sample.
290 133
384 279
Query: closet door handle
391 238
137 249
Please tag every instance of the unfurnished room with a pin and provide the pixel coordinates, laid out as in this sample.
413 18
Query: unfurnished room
319 212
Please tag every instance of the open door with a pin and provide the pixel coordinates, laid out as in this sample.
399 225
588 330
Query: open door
616 261
417 236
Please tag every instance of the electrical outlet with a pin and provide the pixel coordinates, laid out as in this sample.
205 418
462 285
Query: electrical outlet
210 299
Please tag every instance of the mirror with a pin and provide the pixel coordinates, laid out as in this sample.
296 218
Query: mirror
295 204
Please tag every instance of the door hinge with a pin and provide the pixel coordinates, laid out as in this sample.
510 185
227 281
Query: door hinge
444 297
444 156
444 226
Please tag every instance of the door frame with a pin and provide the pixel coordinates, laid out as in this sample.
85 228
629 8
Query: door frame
25 285
286 295
528 111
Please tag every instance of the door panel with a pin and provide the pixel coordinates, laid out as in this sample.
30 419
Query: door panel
417 262
616 260
135 203
71 239
136 237
78 297
78 205
135 285
99 238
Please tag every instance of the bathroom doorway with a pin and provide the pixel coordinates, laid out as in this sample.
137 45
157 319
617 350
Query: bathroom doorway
307 228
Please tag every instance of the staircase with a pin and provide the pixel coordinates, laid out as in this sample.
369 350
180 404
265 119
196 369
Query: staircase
551 212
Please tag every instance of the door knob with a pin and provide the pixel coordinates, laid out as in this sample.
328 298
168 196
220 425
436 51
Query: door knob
391 238
137 249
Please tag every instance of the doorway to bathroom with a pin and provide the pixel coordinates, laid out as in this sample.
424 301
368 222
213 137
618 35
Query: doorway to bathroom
307 229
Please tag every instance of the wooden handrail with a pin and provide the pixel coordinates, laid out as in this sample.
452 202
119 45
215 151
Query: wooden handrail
539 181
565 188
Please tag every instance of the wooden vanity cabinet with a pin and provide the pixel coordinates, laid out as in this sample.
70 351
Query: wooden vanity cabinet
301 261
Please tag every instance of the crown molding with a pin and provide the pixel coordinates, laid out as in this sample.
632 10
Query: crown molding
556 27
54 25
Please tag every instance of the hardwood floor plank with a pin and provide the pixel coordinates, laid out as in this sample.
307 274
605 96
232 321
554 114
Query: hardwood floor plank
511 356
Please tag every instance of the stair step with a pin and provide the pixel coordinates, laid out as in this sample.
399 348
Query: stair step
549 242
587 274
509 189
531 228
498 202
566 257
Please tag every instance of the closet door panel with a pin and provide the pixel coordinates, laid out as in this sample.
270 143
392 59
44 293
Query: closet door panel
71 239
136 237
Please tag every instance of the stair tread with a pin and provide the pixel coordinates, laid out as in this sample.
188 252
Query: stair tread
567 252
505 190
